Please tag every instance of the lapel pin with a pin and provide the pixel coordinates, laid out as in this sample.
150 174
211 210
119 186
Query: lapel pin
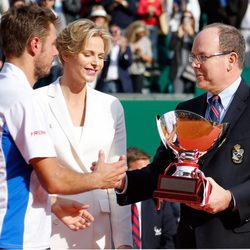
237 154
157 231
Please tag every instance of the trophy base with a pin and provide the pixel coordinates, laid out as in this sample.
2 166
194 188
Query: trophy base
179 189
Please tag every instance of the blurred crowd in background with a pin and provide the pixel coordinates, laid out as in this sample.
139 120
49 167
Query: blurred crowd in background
151 39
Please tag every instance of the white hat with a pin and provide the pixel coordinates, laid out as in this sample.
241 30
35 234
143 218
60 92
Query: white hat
99 12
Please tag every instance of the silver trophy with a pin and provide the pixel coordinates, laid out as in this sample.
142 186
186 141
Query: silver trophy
190 136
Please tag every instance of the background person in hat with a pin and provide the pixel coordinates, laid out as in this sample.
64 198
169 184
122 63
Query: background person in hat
99 16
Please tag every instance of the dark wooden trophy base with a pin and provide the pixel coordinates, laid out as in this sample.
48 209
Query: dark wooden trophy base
179 189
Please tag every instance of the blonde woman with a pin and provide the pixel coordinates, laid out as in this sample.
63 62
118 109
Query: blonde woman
83 121
140 45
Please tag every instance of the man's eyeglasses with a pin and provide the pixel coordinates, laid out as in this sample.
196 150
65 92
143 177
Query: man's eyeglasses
203 58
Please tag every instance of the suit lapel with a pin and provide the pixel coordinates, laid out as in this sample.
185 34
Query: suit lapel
90 119
201 106
59 109
197 105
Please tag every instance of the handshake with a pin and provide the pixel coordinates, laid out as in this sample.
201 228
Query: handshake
109 175
105 175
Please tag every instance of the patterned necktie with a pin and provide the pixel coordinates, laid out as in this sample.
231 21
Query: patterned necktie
214 114
135 227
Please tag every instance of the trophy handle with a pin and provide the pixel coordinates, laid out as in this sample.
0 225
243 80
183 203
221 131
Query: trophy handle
169 167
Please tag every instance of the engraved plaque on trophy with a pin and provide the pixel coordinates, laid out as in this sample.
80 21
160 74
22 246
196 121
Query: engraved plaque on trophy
190 136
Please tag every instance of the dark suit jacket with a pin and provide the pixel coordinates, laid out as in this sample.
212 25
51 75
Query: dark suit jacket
158 227
122 16
232 14
124 61
198 229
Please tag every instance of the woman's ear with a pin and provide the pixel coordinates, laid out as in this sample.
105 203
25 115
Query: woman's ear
65 56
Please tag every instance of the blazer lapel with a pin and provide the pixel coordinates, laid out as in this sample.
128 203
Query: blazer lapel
197 105
90 118
59 109
201 106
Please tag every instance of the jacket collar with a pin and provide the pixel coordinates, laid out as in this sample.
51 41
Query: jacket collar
59 109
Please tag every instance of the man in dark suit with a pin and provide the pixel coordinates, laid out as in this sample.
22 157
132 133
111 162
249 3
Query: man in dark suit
229 12
115 75
123 12
224 222
158 227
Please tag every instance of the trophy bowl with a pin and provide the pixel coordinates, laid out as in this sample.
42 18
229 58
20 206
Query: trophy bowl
190 136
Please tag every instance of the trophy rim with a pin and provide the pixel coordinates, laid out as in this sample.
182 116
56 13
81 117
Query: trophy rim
218 142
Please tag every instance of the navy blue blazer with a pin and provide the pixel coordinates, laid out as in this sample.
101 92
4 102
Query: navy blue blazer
158 227
124 61
121 16
198 229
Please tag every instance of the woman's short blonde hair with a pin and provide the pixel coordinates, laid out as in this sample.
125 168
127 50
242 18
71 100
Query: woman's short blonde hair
72 39
134 28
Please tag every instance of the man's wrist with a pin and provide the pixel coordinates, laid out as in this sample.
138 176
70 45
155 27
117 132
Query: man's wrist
98 180
123 188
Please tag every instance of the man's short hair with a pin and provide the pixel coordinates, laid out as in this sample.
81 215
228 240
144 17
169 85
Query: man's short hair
20 24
